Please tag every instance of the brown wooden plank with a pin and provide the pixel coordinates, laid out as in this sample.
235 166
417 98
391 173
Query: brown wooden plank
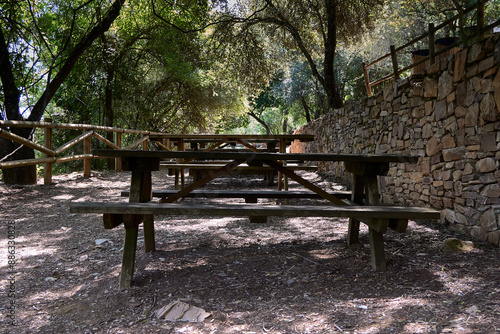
357 198
252 156
398 225
242 167
304 182
242 210
201 182
377 250
128 260
112 220
247 193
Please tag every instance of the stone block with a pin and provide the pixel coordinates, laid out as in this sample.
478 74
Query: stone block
460 111
493 237
486 165
488 142
445 85
485 64
440 110
461 92
474 53
430 87
488 221
460 61
433 146
487 109
471 118
454 154
433 69
496 89
487 178
491 190
472 72
448 141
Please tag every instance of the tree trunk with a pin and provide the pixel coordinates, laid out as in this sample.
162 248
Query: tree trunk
109 113
306 109
261 121
27 175
330 85
285 121
18 175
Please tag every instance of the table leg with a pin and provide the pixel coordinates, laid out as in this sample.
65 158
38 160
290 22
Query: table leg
376 238
377 250
357 197
128 261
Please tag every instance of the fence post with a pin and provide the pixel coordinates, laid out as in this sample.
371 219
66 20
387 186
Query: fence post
480 20
47 168
367 80
86 150
118 142
432 45
394 63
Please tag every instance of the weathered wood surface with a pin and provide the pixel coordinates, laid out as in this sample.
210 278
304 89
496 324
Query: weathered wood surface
252 156
241 210
247 194
240 167
233 137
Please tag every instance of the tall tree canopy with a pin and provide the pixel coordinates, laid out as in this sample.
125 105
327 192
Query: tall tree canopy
311 28
40 43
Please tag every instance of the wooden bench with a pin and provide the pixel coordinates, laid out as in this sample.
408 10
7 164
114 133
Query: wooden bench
199 170
249 196
378 219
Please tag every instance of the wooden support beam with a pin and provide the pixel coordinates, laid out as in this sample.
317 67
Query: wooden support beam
86 150
432 45
367 80
105 141
47 168
26 142
74 141
118 161
394 58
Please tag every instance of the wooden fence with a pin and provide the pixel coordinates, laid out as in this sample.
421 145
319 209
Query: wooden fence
54 155
479 31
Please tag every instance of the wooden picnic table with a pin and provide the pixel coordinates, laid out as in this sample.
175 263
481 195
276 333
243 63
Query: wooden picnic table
366 168
273 143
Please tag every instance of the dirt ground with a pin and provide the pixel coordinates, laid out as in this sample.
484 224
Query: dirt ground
286 276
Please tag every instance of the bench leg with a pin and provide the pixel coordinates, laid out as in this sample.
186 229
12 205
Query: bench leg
128 261
377 250
149 234
255 219
357 197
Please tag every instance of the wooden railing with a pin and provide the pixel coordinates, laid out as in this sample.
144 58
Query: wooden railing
55 155
481 30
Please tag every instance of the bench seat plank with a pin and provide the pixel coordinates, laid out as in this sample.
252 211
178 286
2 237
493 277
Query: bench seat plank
241 167
247 194
236 210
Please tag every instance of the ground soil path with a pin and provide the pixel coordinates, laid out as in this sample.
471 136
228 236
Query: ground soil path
286 276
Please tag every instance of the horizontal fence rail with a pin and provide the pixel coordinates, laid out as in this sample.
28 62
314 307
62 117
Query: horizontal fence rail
434 54
54 155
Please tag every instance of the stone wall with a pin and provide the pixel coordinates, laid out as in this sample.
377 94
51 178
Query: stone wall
451 120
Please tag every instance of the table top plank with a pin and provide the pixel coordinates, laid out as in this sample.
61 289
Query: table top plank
252 156
233 137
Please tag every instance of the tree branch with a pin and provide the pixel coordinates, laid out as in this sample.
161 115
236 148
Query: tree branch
84 44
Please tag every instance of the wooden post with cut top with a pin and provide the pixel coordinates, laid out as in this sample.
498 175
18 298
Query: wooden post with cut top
47 168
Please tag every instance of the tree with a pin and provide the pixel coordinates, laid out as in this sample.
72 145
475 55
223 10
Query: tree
29 30
312 28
